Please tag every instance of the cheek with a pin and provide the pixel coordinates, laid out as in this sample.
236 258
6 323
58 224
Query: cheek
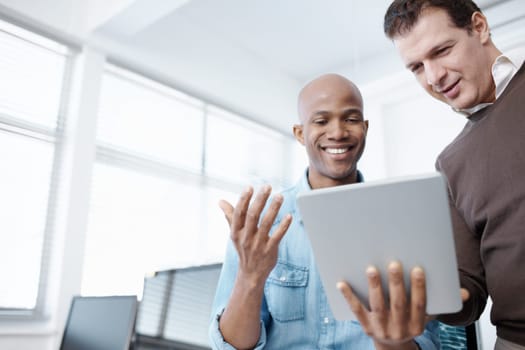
361 136
311 138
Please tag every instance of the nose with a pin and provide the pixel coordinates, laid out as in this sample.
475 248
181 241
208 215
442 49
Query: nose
337 130
435 73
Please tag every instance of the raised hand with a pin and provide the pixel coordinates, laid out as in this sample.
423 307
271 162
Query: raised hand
240 322
250 234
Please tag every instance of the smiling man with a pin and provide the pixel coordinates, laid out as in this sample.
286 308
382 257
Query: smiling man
332 130
270 294
448 47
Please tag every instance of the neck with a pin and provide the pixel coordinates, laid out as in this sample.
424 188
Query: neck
317 181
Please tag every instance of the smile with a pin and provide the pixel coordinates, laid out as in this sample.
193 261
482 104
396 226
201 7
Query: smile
450 90
336 150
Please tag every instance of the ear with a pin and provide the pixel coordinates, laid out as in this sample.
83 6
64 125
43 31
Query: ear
365 125
298 133
480 27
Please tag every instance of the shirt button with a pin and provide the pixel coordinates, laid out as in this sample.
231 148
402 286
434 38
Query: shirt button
326 320
282 279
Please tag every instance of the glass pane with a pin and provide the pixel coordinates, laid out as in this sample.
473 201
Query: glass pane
32 77
24 185
217 229
244 152
139 223
151 120
299 161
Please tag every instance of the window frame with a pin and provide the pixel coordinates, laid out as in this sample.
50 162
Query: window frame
137 162
55 137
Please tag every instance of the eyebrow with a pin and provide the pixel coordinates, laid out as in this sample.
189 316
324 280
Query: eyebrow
431 52
352 111
324 113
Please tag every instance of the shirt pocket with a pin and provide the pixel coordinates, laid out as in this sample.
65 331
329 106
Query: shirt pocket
285 291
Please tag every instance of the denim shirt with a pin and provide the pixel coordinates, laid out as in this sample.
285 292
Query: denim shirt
295 313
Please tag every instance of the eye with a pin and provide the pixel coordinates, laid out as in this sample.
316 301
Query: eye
354 119
320 121
443 50
416 68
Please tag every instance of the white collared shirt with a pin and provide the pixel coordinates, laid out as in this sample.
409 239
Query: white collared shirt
503 70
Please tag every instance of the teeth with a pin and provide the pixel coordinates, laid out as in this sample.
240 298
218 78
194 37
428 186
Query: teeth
336 150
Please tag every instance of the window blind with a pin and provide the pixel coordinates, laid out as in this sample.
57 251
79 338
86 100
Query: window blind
156 180
177 304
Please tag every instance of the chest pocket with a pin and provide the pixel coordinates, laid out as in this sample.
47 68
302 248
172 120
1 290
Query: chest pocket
285 291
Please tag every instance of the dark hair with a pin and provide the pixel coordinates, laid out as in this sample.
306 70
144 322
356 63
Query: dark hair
402 15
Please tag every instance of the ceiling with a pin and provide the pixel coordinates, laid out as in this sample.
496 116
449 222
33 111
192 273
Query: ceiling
249 56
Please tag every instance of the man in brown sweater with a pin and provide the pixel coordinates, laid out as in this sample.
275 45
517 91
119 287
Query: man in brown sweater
447 46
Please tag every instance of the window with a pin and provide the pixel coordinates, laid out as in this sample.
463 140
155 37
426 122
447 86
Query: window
145 118
163 161
33 73
242 151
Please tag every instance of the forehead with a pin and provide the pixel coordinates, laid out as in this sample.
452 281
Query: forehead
330 101
433 28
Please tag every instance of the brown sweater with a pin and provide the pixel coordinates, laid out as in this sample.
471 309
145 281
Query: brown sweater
485 168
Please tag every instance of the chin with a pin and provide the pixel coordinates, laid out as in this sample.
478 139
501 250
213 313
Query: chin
342 176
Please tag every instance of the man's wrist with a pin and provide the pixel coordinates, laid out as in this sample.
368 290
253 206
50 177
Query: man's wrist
408 345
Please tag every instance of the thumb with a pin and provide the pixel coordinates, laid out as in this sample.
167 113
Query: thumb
465 295
227 209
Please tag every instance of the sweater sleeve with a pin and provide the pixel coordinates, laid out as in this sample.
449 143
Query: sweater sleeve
471 271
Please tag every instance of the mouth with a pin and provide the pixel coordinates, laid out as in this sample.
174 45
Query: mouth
337 150
450 91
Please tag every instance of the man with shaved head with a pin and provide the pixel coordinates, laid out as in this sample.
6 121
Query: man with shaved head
270 293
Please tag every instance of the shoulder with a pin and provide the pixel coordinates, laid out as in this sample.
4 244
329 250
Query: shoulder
453 149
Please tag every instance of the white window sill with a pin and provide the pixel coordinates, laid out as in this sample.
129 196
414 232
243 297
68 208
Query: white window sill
27 328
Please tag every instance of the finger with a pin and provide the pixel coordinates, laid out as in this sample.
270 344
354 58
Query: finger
377 302
239 212
280 231
270 215
227 209
254 211
418 301
398 298
465 295
429 318
355 305
375 290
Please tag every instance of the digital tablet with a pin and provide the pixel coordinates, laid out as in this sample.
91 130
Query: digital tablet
406 219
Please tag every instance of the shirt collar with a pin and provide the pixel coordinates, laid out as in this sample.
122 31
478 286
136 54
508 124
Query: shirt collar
304 185
503 70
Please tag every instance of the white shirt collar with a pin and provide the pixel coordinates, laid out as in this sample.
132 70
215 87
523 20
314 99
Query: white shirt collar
503 70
